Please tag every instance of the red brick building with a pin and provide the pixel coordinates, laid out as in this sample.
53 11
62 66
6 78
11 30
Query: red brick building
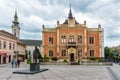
72 40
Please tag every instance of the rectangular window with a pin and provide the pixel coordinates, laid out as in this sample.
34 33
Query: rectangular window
79 52
91 53
0 44
10 46
63 52
51 53
91 40
13 46
79 39
4 46
50 40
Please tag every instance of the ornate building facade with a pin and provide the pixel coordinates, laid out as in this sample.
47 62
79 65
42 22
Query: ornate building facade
10 44
71 40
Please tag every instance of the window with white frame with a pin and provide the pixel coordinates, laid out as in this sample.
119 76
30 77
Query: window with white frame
4 45
63 39
71 38
10 46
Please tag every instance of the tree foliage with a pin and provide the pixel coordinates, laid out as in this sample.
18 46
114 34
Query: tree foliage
109 52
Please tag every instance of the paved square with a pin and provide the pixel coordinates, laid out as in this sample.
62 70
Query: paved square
58 72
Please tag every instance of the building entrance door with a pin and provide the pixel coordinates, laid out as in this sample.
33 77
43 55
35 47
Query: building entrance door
0 59
9 59
4 59
72 57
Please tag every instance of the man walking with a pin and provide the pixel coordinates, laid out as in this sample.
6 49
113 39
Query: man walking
18 62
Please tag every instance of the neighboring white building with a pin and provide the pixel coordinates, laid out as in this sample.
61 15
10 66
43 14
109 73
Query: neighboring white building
8 44
30 45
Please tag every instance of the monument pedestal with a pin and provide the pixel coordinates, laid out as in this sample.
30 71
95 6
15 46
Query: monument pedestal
34 68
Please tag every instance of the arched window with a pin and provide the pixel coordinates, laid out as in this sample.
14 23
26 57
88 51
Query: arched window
79 39
63 39
71 38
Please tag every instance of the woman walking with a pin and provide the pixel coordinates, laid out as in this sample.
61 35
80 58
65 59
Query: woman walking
12 62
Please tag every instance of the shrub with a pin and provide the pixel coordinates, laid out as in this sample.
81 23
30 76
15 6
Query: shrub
99 60
92 58
54 59
65 61
28 61
46 59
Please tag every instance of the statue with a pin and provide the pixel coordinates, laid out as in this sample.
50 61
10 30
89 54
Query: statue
36 55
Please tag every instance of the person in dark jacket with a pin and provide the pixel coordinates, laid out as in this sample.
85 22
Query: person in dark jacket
18 62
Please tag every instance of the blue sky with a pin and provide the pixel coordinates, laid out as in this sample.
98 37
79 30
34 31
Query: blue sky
34 13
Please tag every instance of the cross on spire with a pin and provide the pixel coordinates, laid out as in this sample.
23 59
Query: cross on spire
70 14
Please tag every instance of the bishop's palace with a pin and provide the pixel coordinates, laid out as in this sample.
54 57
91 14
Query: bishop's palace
71 40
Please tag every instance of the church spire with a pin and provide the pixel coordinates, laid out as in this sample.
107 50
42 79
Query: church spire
70 14
15 26
15 22
15 14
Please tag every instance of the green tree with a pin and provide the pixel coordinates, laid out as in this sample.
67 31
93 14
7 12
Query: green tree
113 53
107 52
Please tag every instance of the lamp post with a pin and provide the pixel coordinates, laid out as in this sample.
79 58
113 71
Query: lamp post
80 56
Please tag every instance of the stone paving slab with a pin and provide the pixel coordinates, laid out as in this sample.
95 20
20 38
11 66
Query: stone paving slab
58 72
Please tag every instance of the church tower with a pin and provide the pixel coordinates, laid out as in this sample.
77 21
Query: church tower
15 26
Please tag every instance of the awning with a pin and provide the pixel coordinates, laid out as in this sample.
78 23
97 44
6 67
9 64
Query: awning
3 53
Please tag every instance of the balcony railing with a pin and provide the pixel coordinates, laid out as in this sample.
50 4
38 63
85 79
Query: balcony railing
71 44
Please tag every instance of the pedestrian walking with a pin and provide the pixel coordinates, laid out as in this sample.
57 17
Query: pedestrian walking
12 62
15 62
18 62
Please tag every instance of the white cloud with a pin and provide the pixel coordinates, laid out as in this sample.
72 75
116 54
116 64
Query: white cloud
33 14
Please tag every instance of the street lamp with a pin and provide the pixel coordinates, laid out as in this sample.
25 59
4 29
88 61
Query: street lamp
80 56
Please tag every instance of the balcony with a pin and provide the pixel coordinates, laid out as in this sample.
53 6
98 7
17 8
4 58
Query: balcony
71 44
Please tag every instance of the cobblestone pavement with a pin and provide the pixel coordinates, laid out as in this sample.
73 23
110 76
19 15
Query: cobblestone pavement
58 72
